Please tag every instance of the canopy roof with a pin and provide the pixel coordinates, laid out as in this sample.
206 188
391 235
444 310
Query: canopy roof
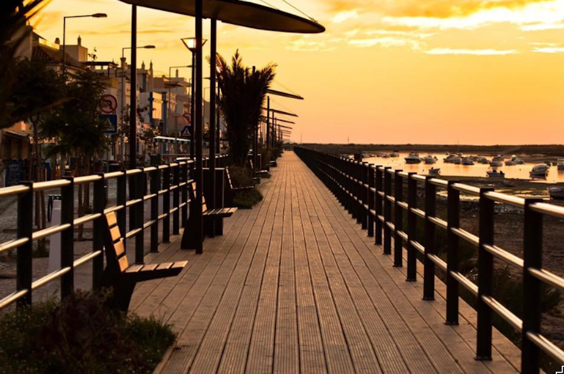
235 12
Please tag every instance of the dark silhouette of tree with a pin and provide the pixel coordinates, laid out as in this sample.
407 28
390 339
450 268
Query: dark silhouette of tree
243 91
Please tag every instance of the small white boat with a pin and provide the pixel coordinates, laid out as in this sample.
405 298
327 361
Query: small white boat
495 163
560 163
435 171
386 156
509 163
413 158
429 160
394 154
457 161
556 192
467 161
495 174
539 171
483 160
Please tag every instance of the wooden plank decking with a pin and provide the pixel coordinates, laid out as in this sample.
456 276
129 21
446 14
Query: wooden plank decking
295 286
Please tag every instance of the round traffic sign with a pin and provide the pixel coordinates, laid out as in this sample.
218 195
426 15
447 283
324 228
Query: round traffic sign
108 104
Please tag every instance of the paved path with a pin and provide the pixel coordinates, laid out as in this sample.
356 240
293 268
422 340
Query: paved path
295 286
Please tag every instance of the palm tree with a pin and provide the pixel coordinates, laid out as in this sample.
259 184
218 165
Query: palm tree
243 91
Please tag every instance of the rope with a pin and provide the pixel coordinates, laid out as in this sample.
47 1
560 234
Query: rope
270 5
311 18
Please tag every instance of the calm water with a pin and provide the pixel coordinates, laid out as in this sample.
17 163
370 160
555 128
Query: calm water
476 170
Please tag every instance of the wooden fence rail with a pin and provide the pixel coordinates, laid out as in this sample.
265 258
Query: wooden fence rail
365 190
171 181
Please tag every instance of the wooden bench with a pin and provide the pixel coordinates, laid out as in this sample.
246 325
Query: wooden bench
190 235
122 277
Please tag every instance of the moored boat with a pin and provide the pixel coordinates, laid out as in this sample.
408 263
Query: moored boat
556 192
495 174
539 171
435 171
413 158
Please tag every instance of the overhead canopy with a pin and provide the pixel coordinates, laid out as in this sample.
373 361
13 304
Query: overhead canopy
284 94
281 112
235 12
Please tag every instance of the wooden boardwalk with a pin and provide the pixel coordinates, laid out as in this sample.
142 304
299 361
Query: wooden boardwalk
295 286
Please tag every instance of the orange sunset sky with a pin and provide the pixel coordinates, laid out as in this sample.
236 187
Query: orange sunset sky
387 71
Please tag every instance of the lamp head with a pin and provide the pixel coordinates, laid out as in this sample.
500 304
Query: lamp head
190 43
150 46
100 15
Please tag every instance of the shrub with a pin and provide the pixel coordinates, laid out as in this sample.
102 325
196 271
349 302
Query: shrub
247 199
241 176
81 334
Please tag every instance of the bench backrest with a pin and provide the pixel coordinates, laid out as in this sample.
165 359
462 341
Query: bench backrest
229 178
115 248
194 191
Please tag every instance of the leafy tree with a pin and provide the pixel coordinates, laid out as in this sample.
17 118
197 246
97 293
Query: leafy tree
36 85
14 15
243 91
77 129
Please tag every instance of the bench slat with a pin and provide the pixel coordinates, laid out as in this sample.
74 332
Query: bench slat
111 218
150 267
179 264
123 264
134 269
164 266
119 248
114 232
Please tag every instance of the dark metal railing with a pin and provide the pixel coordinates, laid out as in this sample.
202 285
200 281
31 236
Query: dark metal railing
169 180
366 191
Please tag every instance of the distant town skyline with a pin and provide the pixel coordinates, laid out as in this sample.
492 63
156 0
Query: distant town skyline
406 71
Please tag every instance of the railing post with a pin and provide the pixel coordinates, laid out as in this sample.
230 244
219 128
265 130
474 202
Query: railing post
371 200
411 228
67 238
184 178
532 259
155 188
379 212
166 205
387 211
485 277
121 200
98 234
364 193
398 219
176 201
140 190
453 222
428 265
24 254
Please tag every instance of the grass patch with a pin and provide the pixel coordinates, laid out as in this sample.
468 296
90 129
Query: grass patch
81 334
247 199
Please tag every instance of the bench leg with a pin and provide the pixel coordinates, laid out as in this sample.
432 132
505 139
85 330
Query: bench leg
122 295
189 240
219 227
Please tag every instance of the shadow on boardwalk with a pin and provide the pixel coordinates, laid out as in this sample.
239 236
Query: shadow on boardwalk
295 286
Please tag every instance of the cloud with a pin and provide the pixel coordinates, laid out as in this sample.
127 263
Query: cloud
548 50
344 16
427 8
475 52
386 42
305 45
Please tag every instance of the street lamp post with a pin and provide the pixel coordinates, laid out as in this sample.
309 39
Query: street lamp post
165 124
149 46
95 15
191 44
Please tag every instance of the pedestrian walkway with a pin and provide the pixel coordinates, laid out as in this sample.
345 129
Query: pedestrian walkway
295 286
